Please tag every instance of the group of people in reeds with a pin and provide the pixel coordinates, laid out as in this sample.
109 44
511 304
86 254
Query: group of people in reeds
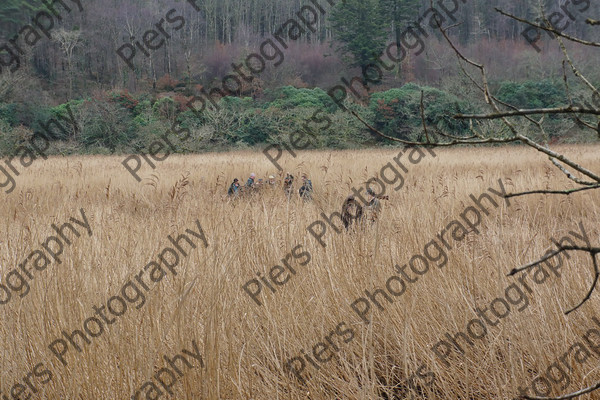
352 210
254 186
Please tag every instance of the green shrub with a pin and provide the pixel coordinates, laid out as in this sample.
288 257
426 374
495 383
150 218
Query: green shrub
165 108
289 97
42 116
33 115
9 113
237 103
106 125
149 133
397 112
8 140
144 114
255 126
532 94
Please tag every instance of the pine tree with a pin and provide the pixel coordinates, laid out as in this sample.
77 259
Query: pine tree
359 29
399 15
14 13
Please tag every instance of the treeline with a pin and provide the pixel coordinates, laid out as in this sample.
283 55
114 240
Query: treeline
80 57
118 122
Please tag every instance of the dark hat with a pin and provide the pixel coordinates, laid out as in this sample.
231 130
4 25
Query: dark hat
235 180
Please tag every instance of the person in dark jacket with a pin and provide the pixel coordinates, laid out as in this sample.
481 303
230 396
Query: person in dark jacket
288 184
306 189
352 211
234 189
250 182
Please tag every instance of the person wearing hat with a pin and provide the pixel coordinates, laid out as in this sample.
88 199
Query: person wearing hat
374 205
288 183
234 189
250 182
270 184
306 189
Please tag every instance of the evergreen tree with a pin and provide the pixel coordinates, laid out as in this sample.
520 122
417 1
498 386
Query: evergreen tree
399 15
358 26
14 13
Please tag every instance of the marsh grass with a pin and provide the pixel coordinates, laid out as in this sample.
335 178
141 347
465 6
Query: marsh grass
245 346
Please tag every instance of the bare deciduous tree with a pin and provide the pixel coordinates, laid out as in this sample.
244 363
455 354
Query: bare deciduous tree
68 41
514 123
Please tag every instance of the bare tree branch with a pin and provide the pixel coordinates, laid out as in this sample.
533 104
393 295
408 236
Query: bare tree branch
570 175
555 110
592 287
568 91
474 136
565 192
489 99
554 157
591 250
578 393
575 69
559 157
518 137
549 29
438 144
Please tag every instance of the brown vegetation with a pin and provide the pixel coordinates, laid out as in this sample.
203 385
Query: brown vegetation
244 345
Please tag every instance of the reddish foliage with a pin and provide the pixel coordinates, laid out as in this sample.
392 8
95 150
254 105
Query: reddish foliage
386 110
167 83
123 98
181 101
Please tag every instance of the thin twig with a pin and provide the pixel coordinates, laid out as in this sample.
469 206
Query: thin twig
568 91
568 396
554 110
592 287
570 175
591 250
438 132
573 67
438 144
549 29
565 192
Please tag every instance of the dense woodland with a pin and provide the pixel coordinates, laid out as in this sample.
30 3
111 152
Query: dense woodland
118 108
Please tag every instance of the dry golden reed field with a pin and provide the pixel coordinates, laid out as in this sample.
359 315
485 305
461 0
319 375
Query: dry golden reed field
183 324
